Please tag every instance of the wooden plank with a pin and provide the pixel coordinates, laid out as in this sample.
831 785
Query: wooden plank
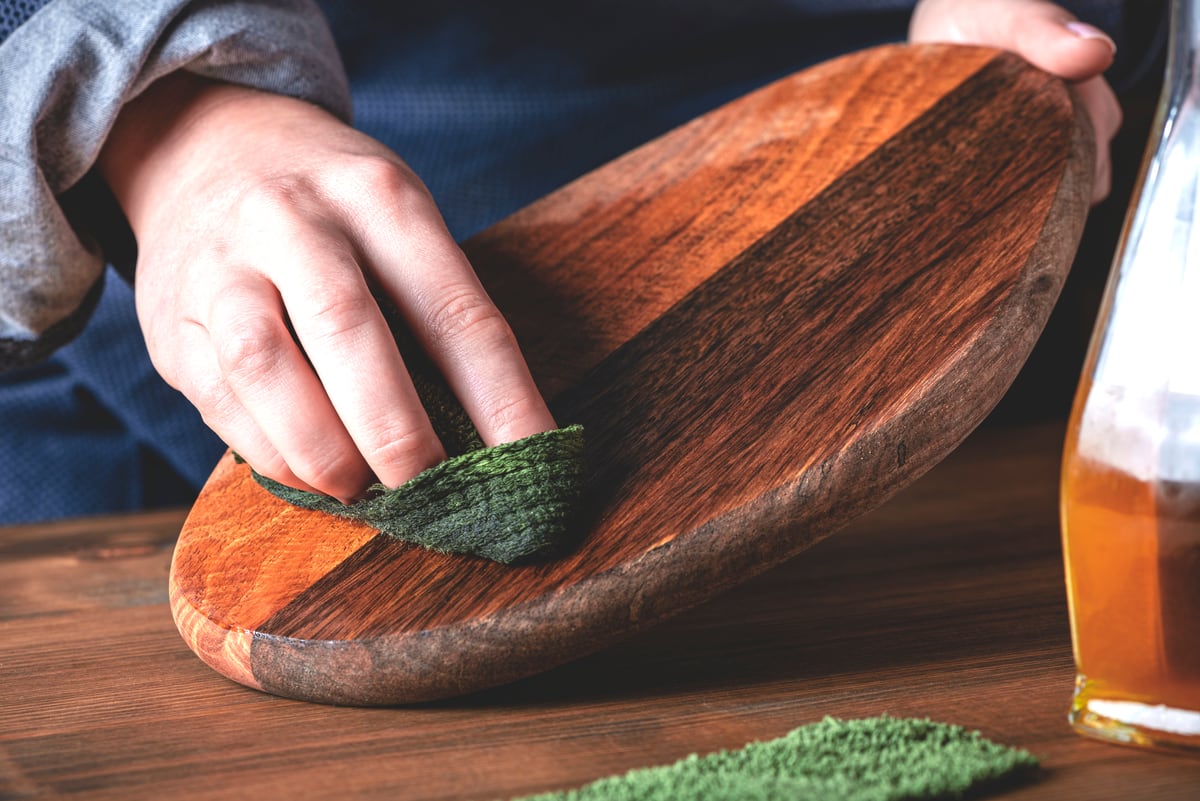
768 321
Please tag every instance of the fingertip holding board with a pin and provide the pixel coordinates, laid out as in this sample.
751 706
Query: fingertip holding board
768 321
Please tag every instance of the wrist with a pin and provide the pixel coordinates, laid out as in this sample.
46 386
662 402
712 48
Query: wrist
155 139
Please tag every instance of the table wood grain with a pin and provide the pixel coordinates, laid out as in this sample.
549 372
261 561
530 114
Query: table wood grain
946 602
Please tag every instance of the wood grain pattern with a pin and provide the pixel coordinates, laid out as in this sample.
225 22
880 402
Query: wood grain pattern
583 268
948 602
262 570
757 359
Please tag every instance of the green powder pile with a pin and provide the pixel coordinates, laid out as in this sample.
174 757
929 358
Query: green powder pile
876 759
508 503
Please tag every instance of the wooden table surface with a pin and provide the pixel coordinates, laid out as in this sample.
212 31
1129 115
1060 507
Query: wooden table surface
947 602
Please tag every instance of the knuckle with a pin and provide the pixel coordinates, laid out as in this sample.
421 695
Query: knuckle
386 182
378 174
379 192
273 198
248 347
268 200
214 399
468 317
340 310
409 450
509 412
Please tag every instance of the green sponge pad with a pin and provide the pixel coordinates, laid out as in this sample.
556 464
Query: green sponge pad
508 502
876 759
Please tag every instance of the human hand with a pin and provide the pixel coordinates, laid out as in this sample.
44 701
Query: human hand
254 212
1048 37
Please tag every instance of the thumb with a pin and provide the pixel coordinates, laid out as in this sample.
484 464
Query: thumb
1045 34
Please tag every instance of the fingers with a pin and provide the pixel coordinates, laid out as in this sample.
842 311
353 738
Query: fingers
354 354
278 403
1051 38
196 373
338 406
329 407
1105 114
1048 37
476 351
418 264
1043 33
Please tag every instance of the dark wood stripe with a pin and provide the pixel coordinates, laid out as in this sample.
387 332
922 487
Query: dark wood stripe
581 271
844 312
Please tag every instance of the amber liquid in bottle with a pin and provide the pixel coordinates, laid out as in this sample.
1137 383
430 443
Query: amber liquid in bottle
1132 551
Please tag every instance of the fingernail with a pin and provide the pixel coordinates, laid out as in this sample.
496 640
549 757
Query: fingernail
1085 31
350 501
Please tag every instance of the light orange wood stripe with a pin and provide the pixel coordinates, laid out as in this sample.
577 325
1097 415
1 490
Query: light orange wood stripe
225 650
248 555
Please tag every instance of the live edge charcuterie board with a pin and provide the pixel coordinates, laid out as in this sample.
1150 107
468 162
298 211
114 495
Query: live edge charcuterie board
768 321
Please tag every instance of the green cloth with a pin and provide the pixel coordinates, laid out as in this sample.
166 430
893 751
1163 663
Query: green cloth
508 503
876 759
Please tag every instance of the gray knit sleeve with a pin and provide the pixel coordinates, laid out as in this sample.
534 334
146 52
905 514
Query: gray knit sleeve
68 70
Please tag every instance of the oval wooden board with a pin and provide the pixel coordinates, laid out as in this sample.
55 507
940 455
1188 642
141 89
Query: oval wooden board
768 320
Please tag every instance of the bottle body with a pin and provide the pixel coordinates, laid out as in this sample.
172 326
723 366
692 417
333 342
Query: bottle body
1131 465
1132 550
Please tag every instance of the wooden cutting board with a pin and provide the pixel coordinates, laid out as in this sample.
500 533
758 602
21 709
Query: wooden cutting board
768 321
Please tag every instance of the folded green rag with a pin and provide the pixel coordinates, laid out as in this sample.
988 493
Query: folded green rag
876 759
508 502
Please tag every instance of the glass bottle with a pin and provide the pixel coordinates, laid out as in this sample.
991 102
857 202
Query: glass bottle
1131 466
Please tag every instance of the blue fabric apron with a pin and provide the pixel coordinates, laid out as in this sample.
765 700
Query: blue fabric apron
493 105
